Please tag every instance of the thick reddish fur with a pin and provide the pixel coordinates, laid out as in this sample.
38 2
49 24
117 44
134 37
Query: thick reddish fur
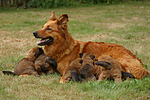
65 49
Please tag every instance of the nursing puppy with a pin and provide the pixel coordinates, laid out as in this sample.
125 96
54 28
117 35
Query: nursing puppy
107 68
88 71
45 64
26 65
72 72
112 68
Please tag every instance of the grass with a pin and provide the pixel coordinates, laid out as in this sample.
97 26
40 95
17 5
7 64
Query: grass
127 24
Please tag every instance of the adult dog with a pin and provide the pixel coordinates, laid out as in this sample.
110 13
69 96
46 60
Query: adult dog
63 48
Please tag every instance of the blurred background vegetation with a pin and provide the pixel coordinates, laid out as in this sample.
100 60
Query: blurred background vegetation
56 3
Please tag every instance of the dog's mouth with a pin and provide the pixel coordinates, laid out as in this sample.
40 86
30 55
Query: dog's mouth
45 41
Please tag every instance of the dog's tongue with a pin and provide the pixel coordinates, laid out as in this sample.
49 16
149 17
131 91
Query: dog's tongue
41 41
45 41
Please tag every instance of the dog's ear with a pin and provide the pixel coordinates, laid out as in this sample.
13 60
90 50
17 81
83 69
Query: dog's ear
63 19
53 17
80 55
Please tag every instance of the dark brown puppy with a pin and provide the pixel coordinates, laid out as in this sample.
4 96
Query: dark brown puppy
112 70
72 72
87 70
26 65
45 64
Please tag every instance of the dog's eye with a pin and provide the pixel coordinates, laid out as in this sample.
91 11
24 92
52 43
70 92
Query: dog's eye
48 28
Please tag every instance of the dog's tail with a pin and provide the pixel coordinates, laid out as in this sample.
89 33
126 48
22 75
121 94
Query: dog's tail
104 64
9 73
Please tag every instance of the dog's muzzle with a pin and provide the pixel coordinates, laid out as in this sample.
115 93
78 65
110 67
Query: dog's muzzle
44 41
36 34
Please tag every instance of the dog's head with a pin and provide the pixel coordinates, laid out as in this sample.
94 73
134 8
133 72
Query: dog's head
53 30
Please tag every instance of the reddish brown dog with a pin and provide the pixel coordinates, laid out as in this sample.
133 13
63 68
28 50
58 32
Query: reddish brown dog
63 48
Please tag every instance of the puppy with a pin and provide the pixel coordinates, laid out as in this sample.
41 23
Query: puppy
111 69
72 72
45 64
105 67
26 65
87 70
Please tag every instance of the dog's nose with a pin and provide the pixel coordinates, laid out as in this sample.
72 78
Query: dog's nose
36 35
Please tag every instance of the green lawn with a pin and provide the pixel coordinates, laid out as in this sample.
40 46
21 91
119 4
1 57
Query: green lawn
127 24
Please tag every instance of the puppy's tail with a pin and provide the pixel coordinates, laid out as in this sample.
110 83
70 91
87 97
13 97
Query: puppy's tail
104 64
126 75
9 73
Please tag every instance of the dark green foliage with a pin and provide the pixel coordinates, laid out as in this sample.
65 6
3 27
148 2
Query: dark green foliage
57 3
66 3
47 3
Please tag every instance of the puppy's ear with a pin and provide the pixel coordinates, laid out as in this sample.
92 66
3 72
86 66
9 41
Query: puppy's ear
126 75
74 76
51 61
81 61
80 54
104 64
80 78
39 53
95 59
92 57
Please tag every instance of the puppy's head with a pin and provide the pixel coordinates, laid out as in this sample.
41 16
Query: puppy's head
34 53
73 71
85 55
87 58
104 61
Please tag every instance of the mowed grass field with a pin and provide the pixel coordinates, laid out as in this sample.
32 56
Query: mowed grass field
126 24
